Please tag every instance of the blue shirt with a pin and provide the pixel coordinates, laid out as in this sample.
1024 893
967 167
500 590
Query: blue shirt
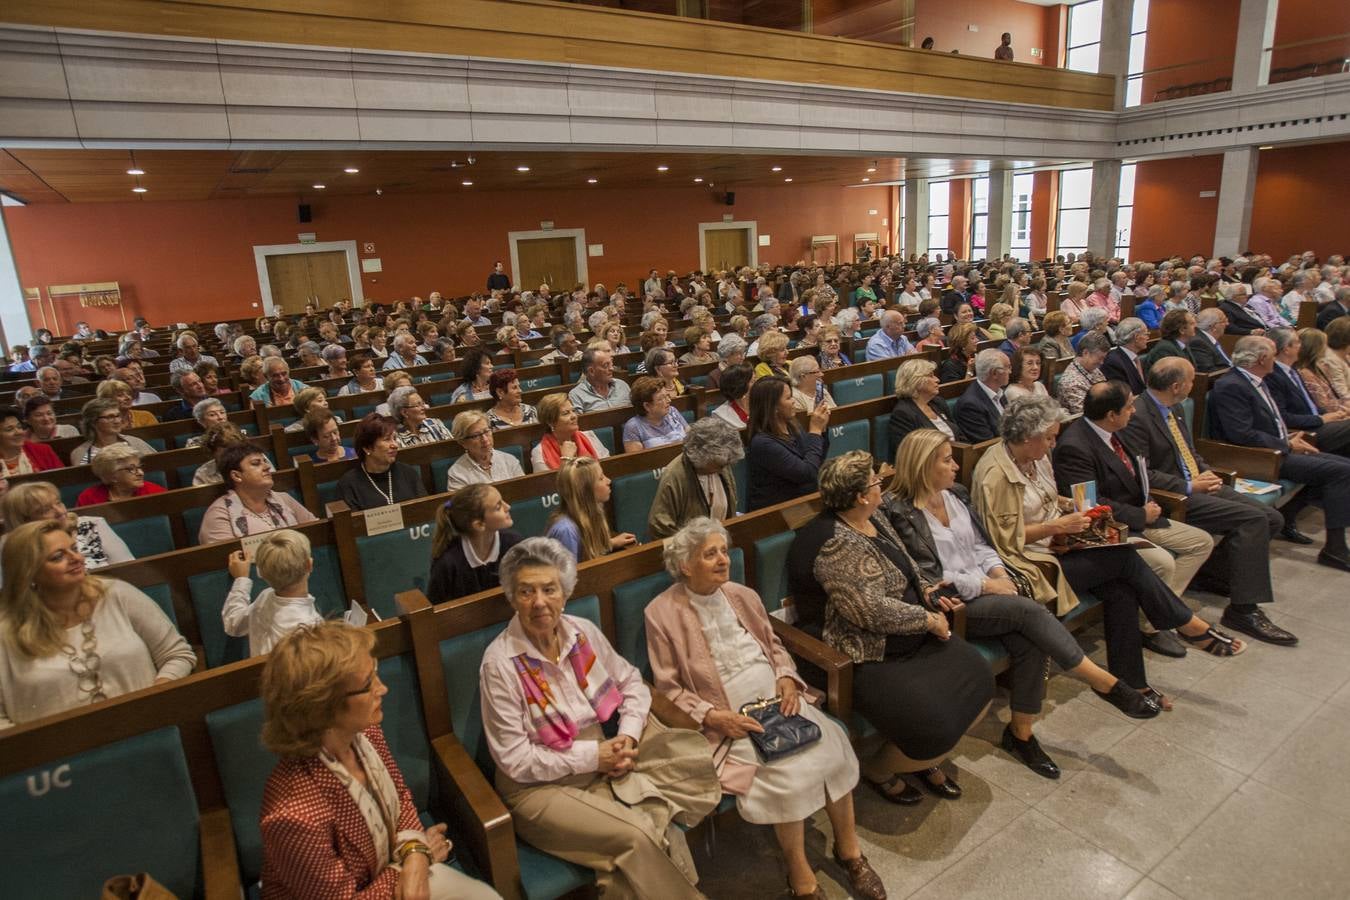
565 531
1149 312
880 346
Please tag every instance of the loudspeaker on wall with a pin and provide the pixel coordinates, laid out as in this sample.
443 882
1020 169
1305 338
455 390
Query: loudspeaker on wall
305 213
731 198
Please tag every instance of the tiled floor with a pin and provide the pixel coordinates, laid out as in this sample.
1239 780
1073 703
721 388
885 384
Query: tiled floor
1242 791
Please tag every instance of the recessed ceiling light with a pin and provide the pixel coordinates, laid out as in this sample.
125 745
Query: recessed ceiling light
867 179
871 169
467 183
787 179
351 170
319 187
663 168
135 171
138 190
1266 147
522 168
698 181
776 169
592 180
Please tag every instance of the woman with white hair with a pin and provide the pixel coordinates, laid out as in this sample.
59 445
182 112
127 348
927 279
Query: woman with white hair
335 357
730 351
808 387
547 685
698 482
713 652
415 427
930 334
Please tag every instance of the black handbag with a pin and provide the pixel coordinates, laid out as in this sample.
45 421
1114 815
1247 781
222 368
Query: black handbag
782 735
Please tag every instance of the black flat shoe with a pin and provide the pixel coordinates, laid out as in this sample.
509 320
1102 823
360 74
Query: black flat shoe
1334 560
1294 536
907 795
948 790
1164 642
1129 701
1030 753
1255 624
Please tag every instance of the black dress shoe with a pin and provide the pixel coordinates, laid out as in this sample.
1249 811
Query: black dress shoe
897 790
1166 643
1030 753
1334 560
1294 536
948 790
1255 624
1129 701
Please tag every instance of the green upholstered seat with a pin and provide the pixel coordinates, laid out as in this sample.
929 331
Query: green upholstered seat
147 536
849 436
855 390
632 496
394 562
531 514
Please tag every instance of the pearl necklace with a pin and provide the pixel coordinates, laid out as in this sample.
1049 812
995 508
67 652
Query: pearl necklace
388 497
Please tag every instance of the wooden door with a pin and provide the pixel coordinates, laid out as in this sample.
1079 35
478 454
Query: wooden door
551 261
726 248
298 278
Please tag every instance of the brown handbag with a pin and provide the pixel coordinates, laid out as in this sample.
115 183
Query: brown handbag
135 887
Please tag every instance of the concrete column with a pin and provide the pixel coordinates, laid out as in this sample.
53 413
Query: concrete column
916 216
1114 58
1101 239
1237 187
14 325
1000 213
1256 32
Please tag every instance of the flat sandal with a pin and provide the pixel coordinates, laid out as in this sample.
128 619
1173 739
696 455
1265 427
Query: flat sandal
1215 642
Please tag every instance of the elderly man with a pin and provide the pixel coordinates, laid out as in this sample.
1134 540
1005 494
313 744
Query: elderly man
280 388
598 388
404 355
1334 309
1083 372
191 391
1242 411
40 356
244 347
1329 431
189 354
954 297
890 340
473 312
1177 329
50 380
1239 567
979 409
134 375
1206 351
1265 302
1241 320
1124 362
1017 334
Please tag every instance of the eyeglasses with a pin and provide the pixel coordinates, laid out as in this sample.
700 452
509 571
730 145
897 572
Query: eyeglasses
110 417
478 435
134 467
368 686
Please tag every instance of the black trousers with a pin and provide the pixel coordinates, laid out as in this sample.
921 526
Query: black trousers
1240 563
1326 481
1030 633
1125 584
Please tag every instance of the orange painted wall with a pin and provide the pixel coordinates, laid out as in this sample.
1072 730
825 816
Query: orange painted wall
1031 25
1044 199
958 219
1170 216
1196 38
179 261
1299 201
1304 20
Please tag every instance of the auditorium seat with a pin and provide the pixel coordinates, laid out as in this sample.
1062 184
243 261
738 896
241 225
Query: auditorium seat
162 594
849 436
146 536
393 562
632 497
531 515
855 390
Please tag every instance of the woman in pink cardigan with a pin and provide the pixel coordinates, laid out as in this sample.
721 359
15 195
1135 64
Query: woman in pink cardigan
712 649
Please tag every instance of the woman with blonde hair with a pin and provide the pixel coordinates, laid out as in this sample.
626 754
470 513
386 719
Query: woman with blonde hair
337 818
1055 344
998 320
917 404
773 347
306 400
472 533
563 439
121 392
251 374
579 523
71 639
38 501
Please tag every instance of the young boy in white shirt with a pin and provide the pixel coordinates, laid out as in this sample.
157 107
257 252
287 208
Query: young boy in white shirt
285 562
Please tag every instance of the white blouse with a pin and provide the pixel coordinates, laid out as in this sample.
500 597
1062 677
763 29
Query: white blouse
964 555
731 646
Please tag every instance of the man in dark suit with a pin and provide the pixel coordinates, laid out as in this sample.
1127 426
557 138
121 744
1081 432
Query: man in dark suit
1330 432
1334 310
1176 331
1206 351
1124 362
1239 567
956 296
980 408
1240 321
1242 411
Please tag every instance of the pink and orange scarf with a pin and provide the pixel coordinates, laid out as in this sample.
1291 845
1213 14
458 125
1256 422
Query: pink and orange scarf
552 727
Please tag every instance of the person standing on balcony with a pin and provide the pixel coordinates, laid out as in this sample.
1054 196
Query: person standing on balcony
1004 51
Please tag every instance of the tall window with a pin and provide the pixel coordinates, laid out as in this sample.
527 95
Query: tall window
1075 202
903 251
1134 84
1020 240
1085 36
939 207
1125 212
979 218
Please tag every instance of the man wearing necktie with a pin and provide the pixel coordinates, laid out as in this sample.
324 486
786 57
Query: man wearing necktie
1242 411
1330 432
1176 331
1206 351
1239 567
1124 362
980 408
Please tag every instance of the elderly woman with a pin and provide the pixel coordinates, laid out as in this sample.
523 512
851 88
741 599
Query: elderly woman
772 356
393 380
125 397
931 513
22 456
321 429
365 378
508 412
1025 379
36 501
217 437
378 478
251 374
563 440
1083 372
854 583
209 373
1335 363
408 409
658 422
660 363
713 651
335 357
480 462
1074 303
617 337
698 482
998 320
579 523
1055 344
471 536
918 404
1034 301
308 399
700 347
249 505
71 639
930 334
548 683
1014 491
119 469
337 819
40 418
101 422
475 370
735 390
830 355
730 352
783 461
960 361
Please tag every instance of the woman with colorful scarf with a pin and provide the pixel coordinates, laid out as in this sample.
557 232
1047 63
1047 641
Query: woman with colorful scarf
548 682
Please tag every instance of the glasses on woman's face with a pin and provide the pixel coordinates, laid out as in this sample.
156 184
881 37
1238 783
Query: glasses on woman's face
129 468
478 435
110 417
368 686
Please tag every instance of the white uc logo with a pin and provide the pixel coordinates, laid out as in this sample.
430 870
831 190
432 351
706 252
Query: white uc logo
58 777
550 500
417 532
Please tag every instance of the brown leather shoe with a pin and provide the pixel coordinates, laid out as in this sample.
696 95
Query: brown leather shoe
862 878
817 894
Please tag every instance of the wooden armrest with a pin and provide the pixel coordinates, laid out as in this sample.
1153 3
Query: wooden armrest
1249 462
959 621
480 815
670 714
838 668
220 862
1173 504
1227 476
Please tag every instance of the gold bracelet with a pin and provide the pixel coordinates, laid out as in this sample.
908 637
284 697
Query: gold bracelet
409 847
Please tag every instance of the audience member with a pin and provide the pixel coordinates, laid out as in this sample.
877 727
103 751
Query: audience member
37 501
378 478
249 505
321 429
918 405
1083 372
1124 362
579 523
118 468
472 533
783 461
40 418
658 422
598 388
1330 432
508 411
563 439
1206 351
284 561
415 426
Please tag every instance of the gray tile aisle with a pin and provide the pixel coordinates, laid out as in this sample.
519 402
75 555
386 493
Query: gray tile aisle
1242 791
